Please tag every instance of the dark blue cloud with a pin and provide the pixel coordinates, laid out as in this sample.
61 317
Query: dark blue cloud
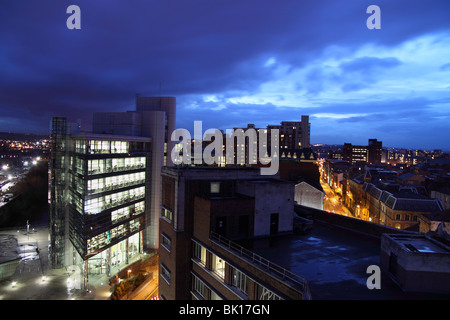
191 49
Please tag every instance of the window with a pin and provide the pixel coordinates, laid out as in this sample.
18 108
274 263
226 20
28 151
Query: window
397 217
200 253
165 273
215 187
407 217
120 214
218 266
166 214
80 146
166 242
240 281
119 146
215 296
198 286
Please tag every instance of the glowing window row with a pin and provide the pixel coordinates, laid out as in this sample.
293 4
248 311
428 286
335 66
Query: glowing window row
115 182
113 165
124 213
101 146
96 205
105 238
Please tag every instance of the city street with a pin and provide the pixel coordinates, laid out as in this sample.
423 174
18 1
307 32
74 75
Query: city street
332 202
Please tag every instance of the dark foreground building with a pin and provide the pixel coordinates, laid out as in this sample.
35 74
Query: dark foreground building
205 212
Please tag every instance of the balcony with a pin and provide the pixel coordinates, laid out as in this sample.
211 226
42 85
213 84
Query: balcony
287 277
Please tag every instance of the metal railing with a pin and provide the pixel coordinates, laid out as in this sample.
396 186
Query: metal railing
263 263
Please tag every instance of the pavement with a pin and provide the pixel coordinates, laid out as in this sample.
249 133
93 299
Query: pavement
33 279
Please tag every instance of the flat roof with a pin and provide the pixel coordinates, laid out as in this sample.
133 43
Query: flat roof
419 243
99 136
334 262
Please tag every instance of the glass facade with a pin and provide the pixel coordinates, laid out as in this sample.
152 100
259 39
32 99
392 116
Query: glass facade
107 195
57 192
118 254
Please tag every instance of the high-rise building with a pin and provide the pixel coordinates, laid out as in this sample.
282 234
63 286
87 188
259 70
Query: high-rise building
375 149
363 154
294 134
292 138
104 191
154 117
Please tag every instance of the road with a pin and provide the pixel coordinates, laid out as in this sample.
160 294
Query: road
332 202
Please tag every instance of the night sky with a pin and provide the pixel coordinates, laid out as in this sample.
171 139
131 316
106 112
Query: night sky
234 62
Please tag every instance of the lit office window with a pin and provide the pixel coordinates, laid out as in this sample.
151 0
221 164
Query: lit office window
119 214
80 146
98 146
200 253
126 212
215 187
166 214
93 206
218 266
119 146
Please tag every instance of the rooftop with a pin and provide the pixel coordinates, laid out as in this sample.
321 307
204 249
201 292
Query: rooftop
104 136
420 243
334 262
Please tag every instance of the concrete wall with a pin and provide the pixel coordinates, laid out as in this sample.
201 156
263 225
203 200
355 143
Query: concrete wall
271 197
307 195
354 224
416 271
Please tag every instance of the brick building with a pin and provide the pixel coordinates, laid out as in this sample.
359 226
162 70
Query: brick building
206 213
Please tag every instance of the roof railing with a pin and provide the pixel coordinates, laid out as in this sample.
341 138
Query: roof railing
264 264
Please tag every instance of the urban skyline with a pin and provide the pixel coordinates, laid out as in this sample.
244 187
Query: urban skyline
230 64
123 199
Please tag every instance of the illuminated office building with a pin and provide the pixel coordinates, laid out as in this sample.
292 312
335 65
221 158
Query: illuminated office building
103 186
363 154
